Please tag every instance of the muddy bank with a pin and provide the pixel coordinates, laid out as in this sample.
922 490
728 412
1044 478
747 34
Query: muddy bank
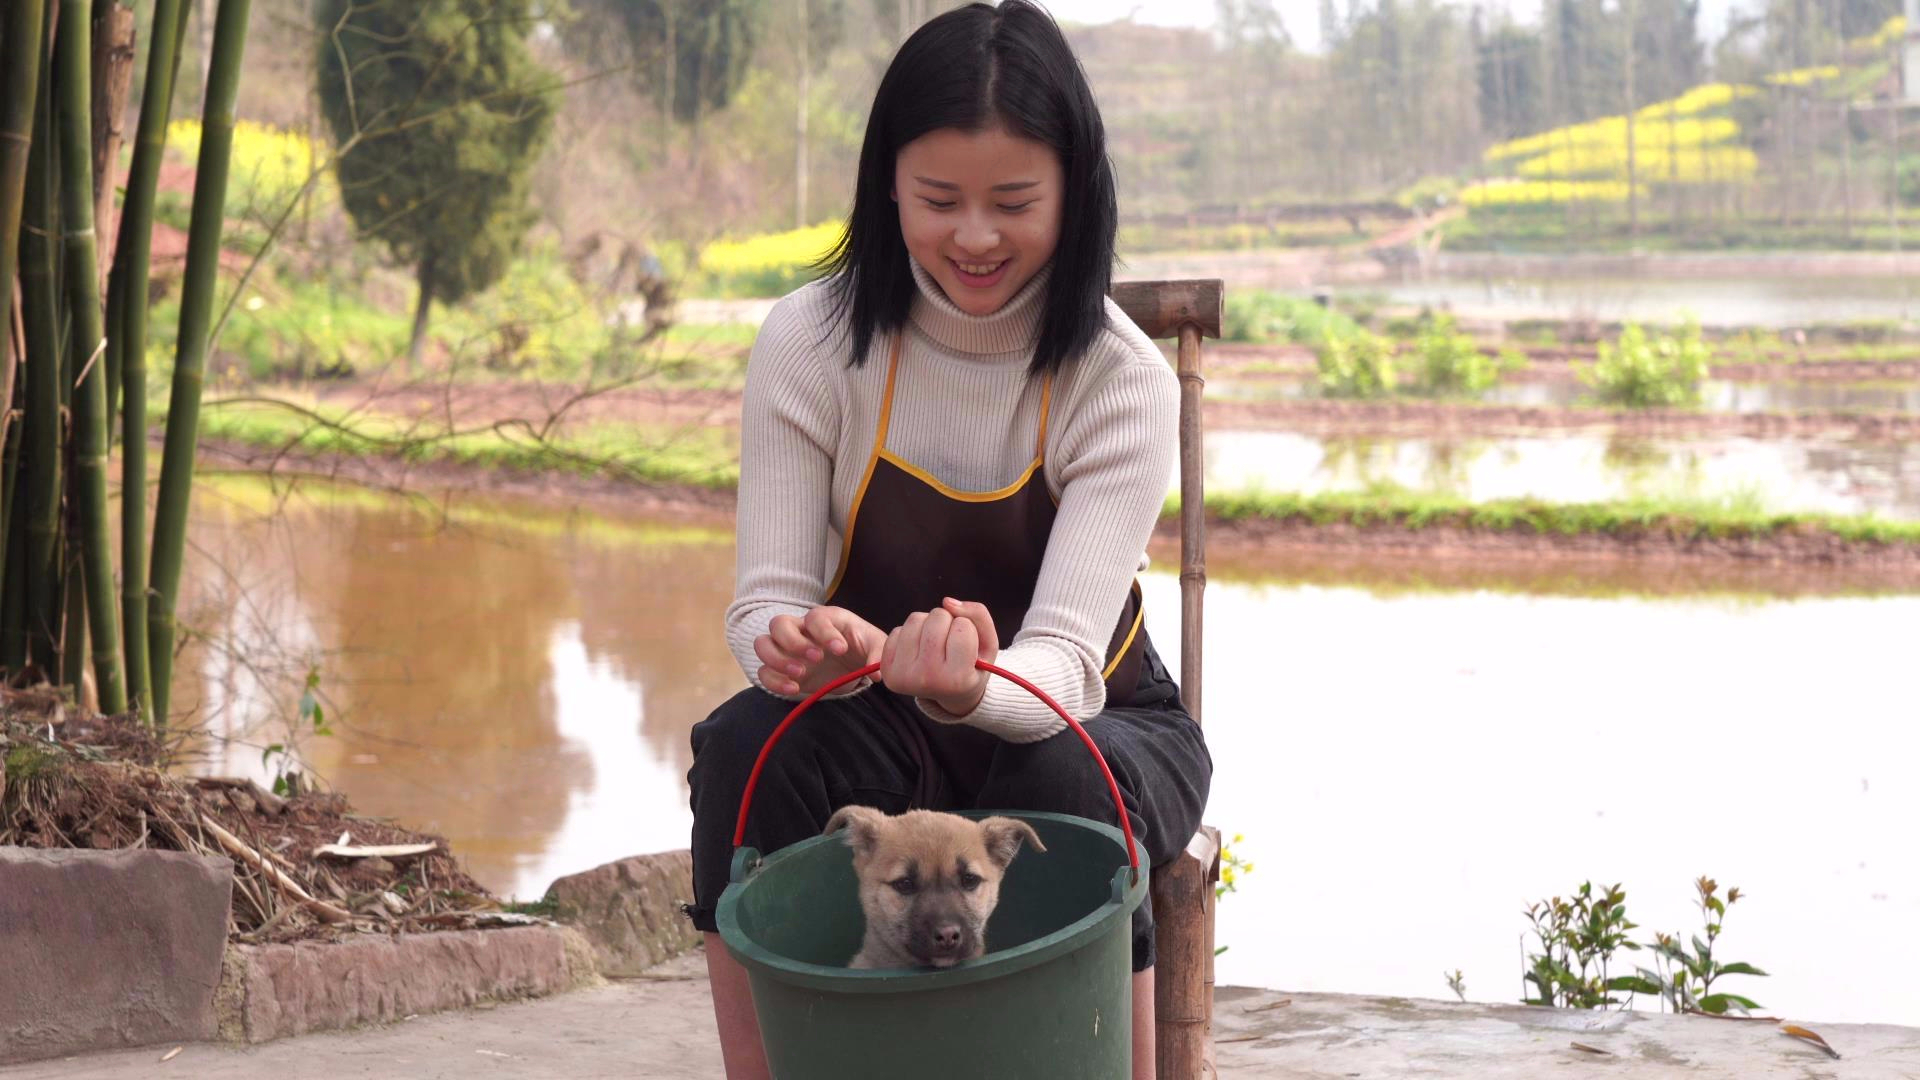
1245 542
1788 549
1241 360
469 406
1423 418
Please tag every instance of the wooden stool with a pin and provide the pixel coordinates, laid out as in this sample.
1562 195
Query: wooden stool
1183 890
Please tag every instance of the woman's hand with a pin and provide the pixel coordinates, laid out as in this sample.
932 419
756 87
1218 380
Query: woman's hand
799 655
932 654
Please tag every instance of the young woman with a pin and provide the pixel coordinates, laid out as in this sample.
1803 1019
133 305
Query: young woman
953 448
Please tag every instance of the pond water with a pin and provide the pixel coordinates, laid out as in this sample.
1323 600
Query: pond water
1729 301
1410 765
1829 475
1716 395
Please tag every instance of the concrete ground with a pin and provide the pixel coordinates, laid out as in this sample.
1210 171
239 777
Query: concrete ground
659 1026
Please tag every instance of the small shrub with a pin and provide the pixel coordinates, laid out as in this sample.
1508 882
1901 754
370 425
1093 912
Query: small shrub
1356 365
1578 936
1262 317
1452 363
1640 372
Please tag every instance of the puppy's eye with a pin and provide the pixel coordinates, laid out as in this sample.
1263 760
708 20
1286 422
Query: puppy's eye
904 886
970 882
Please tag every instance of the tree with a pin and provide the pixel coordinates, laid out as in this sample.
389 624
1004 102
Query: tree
440 112
690 55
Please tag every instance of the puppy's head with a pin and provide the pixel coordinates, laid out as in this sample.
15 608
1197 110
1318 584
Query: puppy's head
928 881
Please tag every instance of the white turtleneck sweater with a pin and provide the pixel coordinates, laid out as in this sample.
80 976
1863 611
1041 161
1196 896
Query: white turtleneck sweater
965 410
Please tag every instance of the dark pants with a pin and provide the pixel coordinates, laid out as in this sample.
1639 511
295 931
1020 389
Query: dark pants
874 749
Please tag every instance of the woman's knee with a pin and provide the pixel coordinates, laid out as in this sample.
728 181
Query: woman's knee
736 730
1055 775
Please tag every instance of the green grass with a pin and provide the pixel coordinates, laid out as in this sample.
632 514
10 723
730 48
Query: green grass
698 457
1681 518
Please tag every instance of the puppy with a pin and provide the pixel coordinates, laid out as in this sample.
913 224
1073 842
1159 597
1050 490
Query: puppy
928 882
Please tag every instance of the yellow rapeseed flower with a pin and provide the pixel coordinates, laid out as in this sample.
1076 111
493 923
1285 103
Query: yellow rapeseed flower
1891 33
1805 76
1512 192
771 251
268 164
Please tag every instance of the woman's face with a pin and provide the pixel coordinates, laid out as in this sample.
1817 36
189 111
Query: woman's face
980 210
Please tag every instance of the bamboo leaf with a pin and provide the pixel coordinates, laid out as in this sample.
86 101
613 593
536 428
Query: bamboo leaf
1808 1035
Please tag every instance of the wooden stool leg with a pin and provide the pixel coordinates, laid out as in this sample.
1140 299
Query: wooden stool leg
1183 943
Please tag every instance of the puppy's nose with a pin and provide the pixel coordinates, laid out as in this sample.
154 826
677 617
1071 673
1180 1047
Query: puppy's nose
946 938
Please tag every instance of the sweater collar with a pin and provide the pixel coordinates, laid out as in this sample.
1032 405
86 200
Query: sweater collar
1011 329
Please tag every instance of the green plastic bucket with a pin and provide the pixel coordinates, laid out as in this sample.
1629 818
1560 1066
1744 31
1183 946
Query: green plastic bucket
1052 999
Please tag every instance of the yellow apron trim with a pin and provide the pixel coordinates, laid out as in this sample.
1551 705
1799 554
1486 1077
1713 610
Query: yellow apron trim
1139 615
955 494
1046 405
859 497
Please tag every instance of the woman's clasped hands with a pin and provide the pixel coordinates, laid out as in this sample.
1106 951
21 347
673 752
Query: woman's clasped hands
931 655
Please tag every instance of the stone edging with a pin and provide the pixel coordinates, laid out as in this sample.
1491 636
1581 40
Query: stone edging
276 991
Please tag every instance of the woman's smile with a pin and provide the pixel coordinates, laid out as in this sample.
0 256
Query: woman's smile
977 274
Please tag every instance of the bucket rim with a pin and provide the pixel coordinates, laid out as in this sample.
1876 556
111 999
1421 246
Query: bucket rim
1074 935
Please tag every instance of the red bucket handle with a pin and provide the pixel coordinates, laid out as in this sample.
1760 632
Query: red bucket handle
1113 788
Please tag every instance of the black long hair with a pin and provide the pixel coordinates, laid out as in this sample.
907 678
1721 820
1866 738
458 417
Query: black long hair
968 69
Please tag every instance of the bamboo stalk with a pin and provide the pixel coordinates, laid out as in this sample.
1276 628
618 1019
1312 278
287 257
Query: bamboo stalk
73 628
39 297
113 53
128 313
17 99
89 341
13 602
189 369
1193 518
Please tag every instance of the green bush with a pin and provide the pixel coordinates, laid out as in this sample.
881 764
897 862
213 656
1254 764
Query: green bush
1356 365
1641 371
1452 363
1262 317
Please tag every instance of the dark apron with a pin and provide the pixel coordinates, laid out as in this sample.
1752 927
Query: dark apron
911 541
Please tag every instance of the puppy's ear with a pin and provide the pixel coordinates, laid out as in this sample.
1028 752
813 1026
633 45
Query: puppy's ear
1003 836
863 825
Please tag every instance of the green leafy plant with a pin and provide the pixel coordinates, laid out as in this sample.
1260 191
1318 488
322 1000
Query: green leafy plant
1262 317
1640 371
1682 978
1357 365
1457 982
1578 936
1452 363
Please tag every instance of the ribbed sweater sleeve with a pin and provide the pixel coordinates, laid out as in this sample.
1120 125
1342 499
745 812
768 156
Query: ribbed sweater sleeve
789 425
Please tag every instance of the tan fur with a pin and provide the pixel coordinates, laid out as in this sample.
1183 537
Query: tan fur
922 907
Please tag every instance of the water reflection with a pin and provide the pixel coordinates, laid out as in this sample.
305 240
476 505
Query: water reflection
1412 755
1801 475
1734 301
1409 770
507 684
1716 395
